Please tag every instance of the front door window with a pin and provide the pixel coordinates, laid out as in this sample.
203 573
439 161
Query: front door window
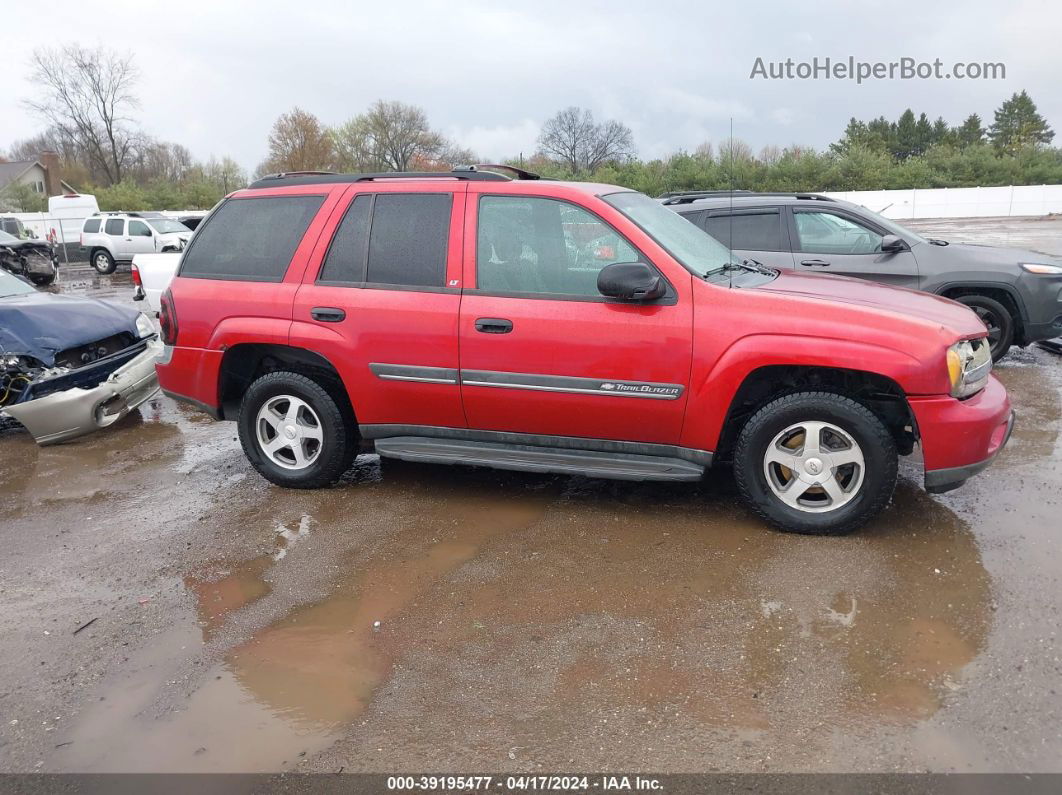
827 233
544 246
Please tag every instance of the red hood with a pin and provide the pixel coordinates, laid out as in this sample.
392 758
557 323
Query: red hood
899 300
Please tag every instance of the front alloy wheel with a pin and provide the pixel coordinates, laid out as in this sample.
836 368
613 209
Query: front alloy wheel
815 462
814 467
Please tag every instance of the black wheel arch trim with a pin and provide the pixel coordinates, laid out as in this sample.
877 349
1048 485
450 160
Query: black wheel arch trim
1023 312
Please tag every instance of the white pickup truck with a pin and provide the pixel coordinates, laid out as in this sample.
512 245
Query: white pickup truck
151 276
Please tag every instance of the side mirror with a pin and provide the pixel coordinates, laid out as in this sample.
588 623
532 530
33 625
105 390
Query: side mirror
893 245
630 281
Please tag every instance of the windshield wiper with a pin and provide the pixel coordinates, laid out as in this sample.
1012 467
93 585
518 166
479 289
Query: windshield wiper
750 265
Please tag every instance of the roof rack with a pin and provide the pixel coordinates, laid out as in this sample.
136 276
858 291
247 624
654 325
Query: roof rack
675 194
477 172
518 172
687 196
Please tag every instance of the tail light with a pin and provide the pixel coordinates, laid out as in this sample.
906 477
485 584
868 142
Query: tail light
168 319
136 277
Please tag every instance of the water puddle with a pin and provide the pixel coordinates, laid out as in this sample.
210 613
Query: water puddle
293 685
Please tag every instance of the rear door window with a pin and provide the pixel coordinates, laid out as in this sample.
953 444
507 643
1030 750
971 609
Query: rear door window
250 239
115 226
395 239
758 229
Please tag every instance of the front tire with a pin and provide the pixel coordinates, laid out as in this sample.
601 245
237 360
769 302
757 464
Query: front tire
997 318
816 463
103 262
43 279
297 432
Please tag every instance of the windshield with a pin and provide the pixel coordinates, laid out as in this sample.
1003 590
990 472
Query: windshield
12 285
165 226
691 246
894 227
6 238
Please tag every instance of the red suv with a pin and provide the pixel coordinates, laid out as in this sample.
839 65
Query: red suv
474 318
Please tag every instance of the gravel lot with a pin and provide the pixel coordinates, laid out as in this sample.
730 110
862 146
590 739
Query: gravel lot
526 623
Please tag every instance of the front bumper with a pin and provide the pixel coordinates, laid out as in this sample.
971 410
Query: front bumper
960 438
74 412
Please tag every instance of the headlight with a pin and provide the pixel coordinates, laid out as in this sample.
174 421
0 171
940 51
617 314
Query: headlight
144 326
1040 268
969 364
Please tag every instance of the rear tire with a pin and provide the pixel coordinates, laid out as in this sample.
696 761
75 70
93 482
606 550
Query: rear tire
296 431
103 262
43 280
999 320
856 463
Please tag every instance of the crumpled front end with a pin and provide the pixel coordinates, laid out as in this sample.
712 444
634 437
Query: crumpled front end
86 399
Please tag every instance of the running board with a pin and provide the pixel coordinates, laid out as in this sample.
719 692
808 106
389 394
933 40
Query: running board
526 458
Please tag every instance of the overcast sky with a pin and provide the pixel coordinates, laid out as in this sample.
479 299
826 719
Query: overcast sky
214 76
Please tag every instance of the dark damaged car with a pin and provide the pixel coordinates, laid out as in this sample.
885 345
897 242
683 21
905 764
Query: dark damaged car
70 366
31 258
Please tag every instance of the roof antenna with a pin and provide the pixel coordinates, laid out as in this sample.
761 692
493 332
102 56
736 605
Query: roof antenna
730 217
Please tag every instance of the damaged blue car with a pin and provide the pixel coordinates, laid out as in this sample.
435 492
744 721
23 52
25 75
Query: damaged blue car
70 366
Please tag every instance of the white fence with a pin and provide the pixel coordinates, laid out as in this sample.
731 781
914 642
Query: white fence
958 202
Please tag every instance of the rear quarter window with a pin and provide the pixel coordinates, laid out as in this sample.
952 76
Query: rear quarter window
251 239
92 225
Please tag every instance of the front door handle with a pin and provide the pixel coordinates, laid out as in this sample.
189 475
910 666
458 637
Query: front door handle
494 325
328 314
815 263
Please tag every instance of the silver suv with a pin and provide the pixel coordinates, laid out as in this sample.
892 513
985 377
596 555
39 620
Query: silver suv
115 237
1017 294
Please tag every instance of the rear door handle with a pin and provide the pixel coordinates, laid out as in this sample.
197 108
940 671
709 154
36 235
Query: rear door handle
327 314
815 263
494 325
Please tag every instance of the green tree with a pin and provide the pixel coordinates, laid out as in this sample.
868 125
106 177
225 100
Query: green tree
1018 126
20 197
907 136
971 132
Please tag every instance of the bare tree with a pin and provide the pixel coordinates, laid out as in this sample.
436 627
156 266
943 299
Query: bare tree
770 154
734 150
565 136
576 140
390 136
85 95
298 142
354 147
160 160
225 173
399 133
704 151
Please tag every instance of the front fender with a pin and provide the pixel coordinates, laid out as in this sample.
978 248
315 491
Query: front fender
713 385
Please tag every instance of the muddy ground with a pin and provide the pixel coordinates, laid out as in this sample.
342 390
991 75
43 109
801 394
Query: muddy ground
451 619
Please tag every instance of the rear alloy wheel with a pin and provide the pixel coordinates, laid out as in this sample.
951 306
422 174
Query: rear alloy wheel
103 262
997 318
815 462
295 431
